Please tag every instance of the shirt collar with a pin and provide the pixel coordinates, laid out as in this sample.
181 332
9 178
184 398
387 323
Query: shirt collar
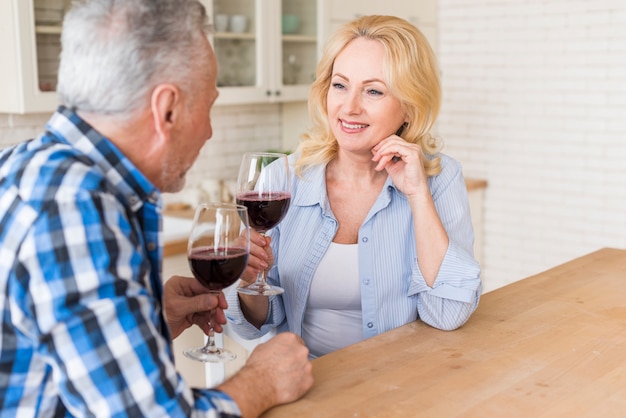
312 188
70 128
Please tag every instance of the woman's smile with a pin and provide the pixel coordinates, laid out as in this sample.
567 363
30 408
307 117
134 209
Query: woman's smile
352 126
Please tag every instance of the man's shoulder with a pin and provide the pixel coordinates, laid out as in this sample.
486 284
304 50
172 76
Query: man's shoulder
44 162
42 171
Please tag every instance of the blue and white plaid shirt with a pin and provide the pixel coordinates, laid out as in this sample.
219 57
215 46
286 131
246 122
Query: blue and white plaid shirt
83 332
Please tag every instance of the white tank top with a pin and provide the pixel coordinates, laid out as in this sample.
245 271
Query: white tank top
332 318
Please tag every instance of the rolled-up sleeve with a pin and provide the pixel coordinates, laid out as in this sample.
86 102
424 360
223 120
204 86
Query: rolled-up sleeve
457 288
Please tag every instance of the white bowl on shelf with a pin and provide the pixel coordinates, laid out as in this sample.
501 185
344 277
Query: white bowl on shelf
221 22
239 23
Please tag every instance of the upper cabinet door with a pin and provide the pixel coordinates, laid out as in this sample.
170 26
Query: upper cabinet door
266 50
300 38
240 44
421 13
30 46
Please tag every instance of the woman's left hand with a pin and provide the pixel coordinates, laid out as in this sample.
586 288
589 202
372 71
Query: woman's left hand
403 162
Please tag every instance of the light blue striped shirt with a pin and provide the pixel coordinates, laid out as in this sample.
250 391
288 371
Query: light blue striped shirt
393 290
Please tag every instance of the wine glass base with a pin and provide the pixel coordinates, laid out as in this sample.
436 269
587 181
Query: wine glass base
220 355
258 289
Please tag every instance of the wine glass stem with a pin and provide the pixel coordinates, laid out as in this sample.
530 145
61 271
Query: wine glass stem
210 346
261 275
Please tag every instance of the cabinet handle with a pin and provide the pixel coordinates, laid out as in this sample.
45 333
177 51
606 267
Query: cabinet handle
277 93
268 93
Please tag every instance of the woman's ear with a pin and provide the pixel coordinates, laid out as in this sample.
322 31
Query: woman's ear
165 104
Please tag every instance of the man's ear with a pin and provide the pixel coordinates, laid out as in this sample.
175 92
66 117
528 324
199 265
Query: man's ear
165 104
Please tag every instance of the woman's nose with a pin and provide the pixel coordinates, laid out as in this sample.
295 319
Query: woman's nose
352 103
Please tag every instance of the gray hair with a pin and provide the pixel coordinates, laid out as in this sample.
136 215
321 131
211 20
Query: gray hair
115 52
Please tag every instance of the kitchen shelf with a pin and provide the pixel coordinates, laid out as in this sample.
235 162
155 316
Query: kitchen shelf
299 38
48 29
234 36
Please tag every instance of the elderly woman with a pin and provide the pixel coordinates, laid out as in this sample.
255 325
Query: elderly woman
379 232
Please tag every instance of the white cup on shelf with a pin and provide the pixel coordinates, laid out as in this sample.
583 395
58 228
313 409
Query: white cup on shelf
221 22
239 23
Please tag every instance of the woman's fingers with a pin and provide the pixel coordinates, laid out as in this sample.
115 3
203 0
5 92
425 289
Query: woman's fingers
261 256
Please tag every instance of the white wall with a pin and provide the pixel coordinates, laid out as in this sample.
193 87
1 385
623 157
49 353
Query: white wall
535 102
236 129
295 121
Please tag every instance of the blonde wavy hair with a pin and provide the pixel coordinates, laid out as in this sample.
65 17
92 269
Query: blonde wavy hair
410 72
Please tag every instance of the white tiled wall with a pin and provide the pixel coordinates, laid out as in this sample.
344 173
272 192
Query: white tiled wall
535 102
236 129
16 128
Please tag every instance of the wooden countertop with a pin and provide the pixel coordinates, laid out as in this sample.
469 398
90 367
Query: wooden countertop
551 345
177 246
475 184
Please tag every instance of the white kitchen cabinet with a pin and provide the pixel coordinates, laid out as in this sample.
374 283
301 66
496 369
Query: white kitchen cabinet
422 13
266 62
420 10
30 46
258 64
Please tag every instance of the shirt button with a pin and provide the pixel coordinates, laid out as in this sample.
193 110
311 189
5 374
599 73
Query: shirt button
151 246
364 239
370 324
366 282
153 197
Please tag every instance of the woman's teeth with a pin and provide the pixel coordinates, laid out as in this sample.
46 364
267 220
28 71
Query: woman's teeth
352 126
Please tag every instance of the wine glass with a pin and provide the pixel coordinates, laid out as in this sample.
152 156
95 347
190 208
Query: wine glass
217 251
264 187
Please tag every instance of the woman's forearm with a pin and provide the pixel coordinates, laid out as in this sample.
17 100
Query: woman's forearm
431 239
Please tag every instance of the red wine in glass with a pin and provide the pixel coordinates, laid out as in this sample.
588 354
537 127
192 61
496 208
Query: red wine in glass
217 268
265 210
264 187
217 251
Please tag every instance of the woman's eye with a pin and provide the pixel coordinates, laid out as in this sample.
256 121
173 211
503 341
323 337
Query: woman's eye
373 92
338 86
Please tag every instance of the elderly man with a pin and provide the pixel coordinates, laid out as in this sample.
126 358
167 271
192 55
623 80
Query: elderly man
86 322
